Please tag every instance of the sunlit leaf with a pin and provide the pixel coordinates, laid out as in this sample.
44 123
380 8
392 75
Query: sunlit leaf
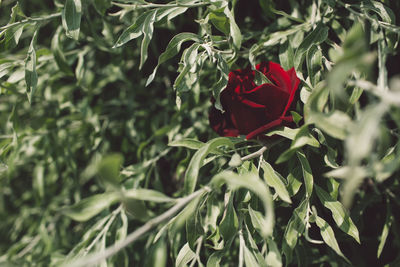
71 18
91 206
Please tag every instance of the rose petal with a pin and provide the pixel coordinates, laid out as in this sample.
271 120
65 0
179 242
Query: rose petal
241 80
295 85
268 126
272 97
221 123
276 74
293 78
244 117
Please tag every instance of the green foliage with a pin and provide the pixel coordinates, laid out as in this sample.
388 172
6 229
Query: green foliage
106 156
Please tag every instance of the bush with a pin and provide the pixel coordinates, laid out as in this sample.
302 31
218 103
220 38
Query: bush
107 155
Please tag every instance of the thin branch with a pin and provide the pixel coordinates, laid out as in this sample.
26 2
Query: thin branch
30 20
97 257
256 154
136 6
104 230
387 26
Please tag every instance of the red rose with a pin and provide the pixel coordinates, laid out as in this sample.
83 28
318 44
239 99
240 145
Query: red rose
250 109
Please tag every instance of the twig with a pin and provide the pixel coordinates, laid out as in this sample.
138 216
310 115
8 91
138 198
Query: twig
383 24
97 257
255 154
29 20
104 230
136 6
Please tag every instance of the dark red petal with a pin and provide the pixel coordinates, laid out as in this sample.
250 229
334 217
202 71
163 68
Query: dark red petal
221 123
295 85
242 80
276 74
243 117
272 97
294 80
250 103
268 126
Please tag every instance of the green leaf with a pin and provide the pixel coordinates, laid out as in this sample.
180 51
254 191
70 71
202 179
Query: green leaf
386 228
185 255
91 206
170 13
196 162
294 182
329 236
257 219
302 138
136 209
101 6
252 182
317 36
339 214
286 55
147 195
215 259
223 73
273 258
189 57
157 254
147 30
219 20
260 78
13 34
307 174
133 31
286 132
294 230
249 257
31 77
229 224
275 182
314 64
188 143
336 123
109 168
174 46
194 228
58 53
175 225
71 18
235 160
234 29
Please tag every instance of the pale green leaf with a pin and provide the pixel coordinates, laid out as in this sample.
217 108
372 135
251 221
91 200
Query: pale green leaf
133 31
185 255
234 29
58 54
31 77
252 182
197 161
307 173
339 214
275 182
147 30
71 18
329 236
385 231
172 49
317 36
294 230
91 206
147 195
273 258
